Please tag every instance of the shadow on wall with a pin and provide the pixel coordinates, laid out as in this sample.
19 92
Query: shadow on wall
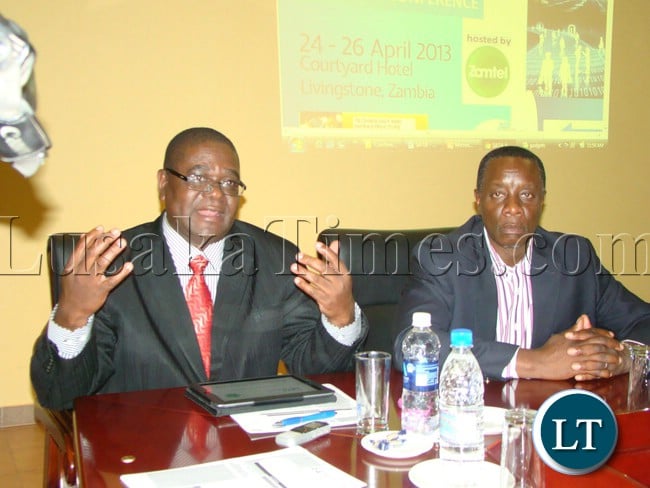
19 199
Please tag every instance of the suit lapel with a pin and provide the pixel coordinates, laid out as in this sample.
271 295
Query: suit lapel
162 297
477 264
545 292
486 311
237 269
232 302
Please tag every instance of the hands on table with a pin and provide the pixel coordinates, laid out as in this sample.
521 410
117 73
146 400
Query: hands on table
582 352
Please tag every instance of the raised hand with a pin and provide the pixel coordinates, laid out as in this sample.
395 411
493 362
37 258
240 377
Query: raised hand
84 284
328 282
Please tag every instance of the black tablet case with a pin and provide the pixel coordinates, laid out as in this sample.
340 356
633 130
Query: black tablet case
195 393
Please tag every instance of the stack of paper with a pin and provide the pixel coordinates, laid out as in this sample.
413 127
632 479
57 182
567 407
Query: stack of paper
293 467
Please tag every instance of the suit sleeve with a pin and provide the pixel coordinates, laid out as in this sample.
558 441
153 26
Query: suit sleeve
617 308
57 381
307 346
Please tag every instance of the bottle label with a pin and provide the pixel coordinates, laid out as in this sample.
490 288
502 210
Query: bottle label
460 427
420 376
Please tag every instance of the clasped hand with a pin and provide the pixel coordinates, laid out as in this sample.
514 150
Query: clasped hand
595 352
582 352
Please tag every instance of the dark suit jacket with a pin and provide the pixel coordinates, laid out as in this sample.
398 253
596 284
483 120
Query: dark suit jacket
452 279
143 336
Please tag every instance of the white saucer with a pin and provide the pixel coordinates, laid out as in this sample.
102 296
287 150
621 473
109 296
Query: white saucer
440 474
399 447
493 420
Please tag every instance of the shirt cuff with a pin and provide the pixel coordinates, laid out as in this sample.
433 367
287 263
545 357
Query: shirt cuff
69 343
510 371
509 393
347 334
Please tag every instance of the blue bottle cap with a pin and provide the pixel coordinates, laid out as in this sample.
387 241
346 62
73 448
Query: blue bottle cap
461 338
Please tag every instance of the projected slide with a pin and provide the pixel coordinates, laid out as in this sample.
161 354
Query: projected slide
452 73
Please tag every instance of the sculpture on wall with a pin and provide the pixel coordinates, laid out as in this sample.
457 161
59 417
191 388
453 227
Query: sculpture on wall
23 142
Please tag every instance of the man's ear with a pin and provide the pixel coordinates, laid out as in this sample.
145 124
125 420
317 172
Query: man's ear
162 184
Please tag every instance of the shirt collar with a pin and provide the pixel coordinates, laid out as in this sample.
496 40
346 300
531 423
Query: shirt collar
500 266
182 251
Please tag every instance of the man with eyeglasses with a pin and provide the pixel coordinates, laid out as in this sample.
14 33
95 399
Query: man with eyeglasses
124 320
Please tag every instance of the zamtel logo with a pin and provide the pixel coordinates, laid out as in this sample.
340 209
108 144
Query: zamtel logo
487 71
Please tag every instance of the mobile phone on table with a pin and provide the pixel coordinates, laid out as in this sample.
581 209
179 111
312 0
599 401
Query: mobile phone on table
302 433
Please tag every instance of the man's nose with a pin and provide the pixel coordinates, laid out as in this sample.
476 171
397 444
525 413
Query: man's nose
214 190
512 205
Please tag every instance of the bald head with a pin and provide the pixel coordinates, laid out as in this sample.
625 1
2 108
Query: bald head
192 137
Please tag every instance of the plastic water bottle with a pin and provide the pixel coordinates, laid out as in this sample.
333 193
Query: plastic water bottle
461 402
420 350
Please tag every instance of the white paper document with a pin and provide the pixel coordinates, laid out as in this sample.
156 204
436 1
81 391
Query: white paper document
293 467
262 422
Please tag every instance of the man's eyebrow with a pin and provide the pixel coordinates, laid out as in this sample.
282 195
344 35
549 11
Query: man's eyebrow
232 172
493 184
198 167
206 169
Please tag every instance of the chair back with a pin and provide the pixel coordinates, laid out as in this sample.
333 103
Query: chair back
378 261
59 463
59 249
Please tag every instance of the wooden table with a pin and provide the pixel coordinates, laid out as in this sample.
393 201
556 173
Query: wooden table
146 430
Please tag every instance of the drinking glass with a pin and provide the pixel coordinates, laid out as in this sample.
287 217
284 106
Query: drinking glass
518 454
372 389
638 393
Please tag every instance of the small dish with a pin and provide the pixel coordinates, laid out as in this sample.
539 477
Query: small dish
396 444
438 473
493 420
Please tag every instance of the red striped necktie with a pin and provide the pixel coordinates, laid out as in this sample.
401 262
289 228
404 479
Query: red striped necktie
199 302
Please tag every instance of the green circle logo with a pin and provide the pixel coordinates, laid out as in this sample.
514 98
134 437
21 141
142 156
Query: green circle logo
487 71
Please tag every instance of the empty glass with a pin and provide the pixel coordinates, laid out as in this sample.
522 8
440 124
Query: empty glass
372 389
638 393
518 454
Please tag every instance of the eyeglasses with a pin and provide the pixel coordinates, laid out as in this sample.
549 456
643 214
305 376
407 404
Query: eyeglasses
232 188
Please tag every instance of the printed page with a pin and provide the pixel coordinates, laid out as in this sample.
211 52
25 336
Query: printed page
293 467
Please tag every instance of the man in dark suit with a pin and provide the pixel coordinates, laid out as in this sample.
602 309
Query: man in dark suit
131 328
539 303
